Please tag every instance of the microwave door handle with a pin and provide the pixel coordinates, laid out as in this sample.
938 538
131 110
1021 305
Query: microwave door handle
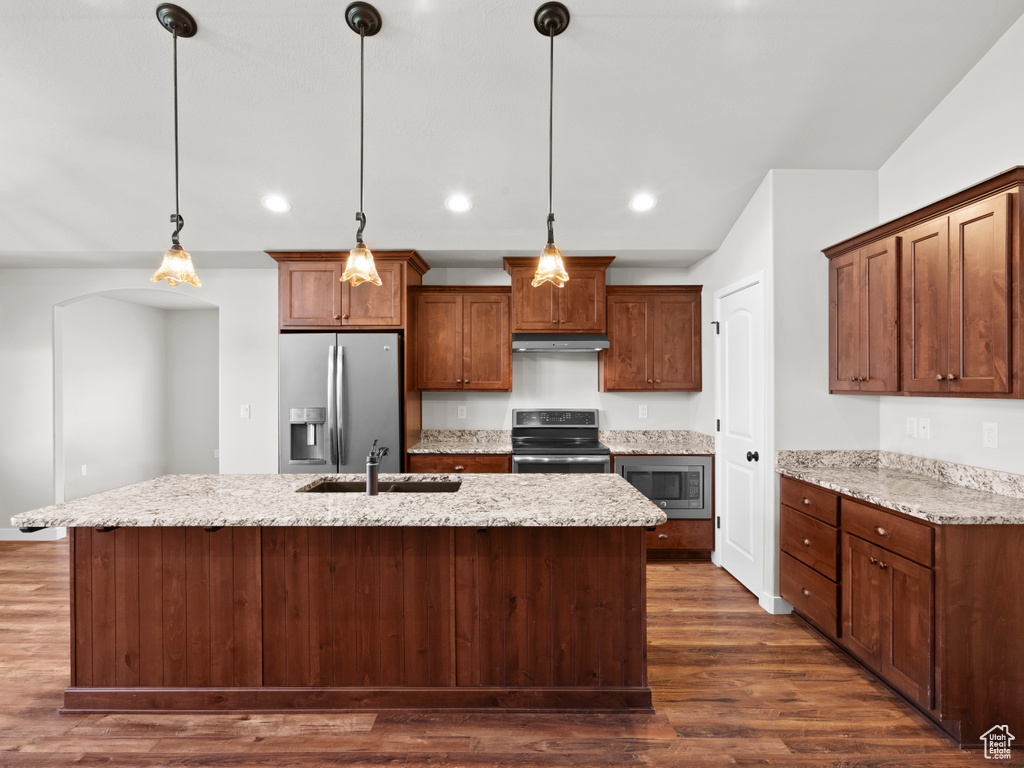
331 416
339 393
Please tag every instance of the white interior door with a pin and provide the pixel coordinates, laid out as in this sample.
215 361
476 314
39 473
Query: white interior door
739 459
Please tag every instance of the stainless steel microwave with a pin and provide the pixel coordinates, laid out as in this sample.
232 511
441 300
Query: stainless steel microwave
680 485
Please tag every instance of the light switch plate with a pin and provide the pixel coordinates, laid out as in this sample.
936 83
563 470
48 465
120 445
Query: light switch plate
245 412
912 426
85 470
989 434
924 428
462 411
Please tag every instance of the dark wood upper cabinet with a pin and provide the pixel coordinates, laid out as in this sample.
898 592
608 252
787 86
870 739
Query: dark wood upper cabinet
463 339
947 279
576 307
864 319
654 337
311 295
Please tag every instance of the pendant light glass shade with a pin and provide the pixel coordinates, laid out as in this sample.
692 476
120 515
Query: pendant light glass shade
360 268
176 268
550 269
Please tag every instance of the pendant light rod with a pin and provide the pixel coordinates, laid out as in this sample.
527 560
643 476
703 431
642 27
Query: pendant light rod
551 20
364 20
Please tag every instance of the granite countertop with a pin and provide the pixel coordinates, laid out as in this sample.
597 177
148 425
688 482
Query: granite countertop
641 442
469 441
936 491
484 500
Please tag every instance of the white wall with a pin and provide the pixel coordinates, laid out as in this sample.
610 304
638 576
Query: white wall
192 411
247 300
557 381
812 210
973 134
115 383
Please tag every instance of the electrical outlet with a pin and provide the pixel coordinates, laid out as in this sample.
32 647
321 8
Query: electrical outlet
989 434
85 470
216 453
245 412
911 426
924 429
643 411
462 411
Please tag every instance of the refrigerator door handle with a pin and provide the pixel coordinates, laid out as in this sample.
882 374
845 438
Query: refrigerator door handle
331 416
339 393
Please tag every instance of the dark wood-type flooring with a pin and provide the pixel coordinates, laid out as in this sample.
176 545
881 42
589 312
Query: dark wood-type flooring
733 686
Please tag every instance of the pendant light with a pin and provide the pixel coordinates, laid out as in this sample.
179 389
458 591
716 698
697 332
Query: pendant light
176 267
550 20
364 20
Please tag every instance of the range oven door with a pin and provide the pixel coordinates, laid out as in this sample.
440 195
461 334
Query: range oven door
564 464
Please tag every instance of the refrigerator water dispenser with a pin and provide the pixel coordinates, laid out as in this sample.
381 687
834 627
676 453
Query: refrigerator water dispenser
308 435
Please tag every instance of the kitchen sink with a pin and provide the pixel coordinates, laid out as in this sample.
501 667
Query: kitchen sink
398 486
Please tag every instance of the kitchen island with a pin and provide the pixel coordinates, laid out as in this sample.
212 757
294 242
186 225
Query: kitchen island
262 592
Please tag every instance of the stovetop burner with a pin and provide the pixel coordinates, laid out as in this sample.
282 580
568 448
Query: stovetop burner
556 433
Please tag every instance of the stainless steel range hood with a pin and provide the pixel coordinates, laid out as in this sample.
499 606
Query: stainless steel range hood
559 342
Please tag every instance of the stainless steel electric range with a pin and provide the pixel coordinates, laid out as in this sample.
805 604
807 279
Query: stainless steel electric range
550 440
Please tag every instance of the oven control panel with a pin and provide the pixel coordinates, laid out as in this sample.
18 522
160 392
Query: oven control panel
553 418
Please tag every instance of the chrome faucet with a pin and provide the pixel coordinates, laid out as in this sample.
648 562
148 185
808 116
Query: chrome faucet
373 467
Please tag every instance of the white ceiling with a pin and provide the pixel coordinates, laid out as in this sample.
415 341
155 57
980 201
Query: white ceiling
692 100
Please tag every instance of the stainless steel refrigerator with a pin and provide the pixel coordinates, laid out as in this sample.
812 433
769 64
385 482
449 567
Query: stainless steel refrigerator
338 393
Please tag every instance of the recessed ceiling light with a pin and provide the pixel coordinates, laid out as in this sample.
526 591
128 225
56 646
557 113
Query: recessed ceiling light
276 203
643 202
458 203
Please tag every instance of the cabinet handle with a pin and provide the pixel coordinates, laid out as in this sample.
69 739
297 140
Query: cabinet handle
458 467
805 542
952 377
662 535
806 500
939 377
805 591
881 531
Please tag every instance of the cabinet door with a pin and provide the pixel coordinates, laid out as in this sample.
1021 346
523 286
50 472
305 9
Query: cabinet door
581 305
625 362
925 311
845 317
438 341
310 293
375 306
675 350
979 298
879 342
487 342
862 599
907 652
533 309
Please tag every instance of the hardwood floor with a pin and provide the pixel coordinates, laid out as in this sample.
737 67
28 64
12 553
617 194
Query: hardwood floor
733 686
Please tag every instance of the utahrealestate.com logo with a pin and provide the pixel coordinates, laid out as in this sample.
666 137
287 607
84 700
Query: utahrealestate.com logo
997 742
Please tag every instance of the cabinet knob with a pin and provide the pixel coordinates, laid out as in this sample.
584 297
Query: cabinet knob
861 378
337 317
853 378
458 381
872 560
649 381
554 321
466 381
881 531
952 377
806 500
805 591
805 542
882 565
458 467
657 381
662 535
344 317
939 377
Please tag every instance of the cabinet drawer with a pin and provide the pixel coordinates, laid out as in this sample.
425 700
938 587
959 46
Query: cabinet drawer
897 534
813 596
810 499
682 534
810 541
436 462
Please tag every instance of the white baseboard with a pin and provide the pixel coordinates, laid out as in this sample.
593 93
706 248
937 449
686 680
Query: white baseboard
774 604
47 534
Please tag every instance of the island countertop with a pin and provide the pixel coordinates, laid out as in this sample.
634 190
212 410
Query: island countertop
483 500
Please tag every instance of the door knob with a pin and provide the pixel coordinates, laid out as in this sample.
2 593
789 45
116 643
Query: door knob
752 456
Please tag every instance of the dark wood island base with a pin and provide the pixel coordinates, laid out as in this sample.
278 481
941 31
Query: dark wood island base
333 618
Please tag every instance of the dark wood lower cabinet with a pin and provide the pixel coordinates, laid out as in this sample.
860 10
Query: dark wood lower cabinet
333 618
681 540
